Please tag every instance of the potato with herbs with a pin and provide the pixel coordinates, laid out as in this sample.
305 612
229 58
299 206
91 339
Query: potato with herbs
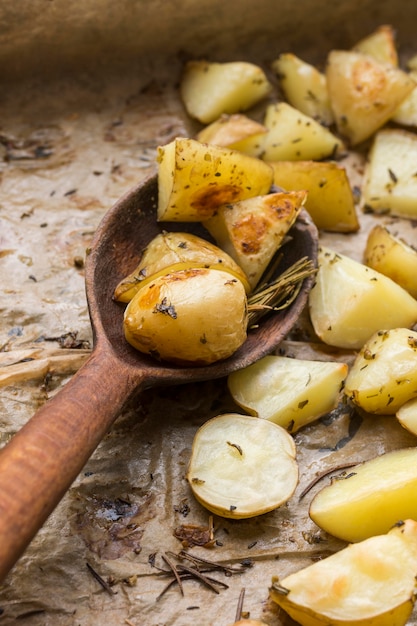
195 179
373 496
237 132
371 583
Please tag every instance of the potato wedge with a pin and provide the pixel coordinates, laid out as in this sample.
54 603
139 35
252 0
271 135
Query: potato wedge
304 87
251 231
406 114
384 374
392 257
171 252
364 94
371 583
378 493
242 466
407 416
210 89
194 179
329 201
180 317
380 45
289 392
294 136
237 132
350 302
390 182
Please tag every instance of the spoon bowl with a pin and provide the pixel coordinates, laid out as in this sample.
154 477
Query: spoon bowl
41 461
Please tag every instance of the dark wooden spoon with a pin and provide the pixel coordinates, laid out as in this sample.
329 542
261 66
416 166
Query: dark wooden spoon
41 461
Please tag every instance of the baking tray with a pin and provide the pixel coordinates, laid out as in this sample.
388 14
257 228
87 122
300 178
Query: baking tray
89 90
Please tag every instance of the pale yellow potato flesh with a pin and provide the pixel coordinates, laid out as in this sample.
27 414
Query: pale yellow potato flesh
393 257
407 416
383 376
289 392
329 201
180 317
242 466
364 93
406 114
194 179
304 87
390 183
380 45
350 302
371 583
371 499
237 132
210 89
294 136
251 231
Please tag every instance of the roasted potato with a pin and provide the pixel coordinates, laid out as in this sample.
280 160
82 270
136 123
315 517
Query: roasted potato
329 201
407 416
350 302
210 89
242 466
384 374
374 496
371 583
406 114
194 179
237 132
390 183
289 392
392 257
380 45
364 94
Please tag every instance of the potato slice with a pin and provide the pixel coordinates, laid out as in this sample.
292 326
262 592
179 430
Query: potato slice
375 496
171 252
380 45
407 416
304 87
392 257
194 179
237 132
289 392
242 466
180 317
294 136
329 201
371 583
406 114
364 94
251 231
350 301
210 89
390 182
384 374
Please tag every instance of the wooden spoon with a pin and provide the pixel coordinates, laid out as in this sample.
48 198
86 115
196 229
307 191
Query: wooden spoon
41 461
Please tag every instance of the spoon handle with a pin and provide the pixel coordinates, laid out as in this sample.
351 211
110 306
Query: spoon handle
41 461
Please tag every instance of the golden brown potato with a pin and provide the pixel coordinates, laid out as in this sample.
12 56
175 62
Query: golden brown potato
237 132
194 179
380 45
329 201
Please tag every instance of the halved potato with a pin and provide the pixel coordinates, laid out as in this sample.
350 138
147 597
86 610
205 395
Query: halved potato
251 231
304 87
407 416
372 497
237 132
289 392
194 179
390 182
294 136
380 45
384 374
406 114
242 466
188 317
350 301
171 252
371 583
329 201
393 257
364 94
210 89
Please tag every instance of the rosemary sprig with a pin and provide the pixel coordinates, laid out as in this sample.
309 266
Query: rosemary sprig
280 292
